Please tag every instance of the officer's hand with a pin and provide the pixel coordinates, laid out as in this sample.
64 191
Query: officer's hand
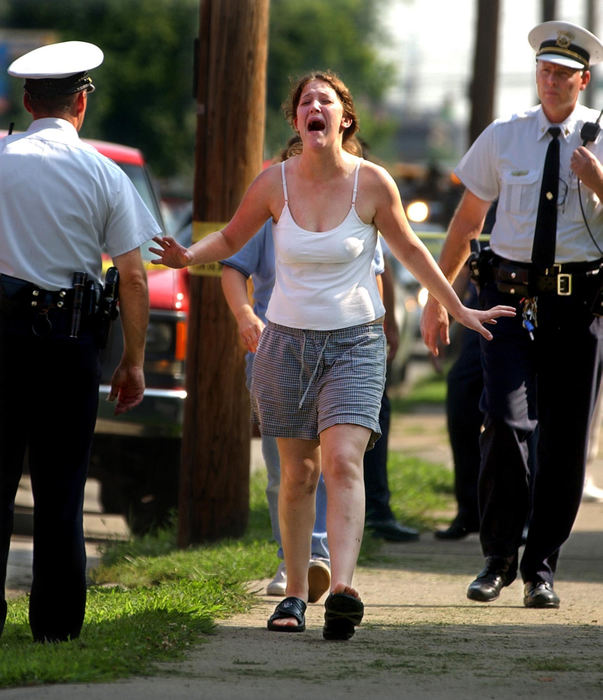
435 325
170 252
587 167
127 386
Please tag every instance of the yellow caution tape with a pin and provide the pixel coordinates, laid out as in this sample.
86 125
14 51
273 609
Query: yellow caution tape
200 230
204 228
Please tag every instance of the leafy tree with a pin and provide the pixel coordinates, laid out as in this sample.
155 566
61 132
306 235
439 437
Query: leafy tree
342 35
144 95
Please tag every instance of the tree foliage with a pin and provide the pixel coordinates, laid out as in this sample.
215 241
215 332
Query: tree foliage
144 95
341 35
144 86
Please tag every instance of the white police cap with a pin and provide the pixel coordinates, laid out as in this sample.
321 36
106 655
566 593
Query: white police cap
58 69
566 44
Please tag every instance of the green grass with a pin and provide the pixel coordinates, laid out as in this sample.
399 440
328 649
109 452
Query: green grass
430 390
126 632
149 601
141 609
419 490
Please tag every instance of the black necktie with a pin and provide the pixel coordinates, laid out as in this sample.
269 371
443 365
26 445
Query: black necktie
545 233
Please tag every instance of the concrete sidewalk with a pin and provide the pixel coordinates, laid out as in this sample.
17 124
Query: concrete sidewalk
420 639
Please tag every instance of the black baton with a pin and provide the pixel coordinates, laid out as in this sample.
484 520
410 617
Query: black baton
79 282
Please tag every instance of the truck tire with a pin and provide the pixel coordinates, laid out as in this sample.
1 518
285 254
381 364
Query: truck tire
138 479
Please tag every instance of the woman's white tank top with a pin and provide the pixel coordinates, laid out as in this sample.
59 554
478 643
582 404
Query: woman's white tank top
324 280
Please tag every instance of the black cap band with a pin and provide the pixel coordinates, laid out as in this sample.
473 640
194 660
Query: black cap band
569 50
52 87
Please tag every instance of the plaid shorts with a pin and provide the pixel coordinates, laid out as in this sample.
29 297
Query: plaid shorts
305 381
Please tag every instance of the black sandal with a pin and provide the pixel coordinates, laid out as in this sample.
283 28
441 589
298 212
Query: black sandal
289 607
343 612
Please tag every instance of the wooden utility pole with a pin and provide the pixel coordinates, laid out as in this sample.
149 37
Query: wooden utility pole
592 22
214 474
548 10
484 67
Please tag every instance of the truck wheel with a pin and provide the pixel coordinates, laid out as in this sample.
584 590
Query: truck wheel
138 479
111 496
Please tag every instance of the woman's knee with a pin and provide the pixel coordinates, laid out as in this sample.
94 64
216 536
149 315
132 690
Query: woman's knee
299 478
343 467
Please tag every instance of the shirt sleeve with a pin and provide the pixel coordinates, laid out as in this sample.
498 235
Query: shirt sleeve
249 259
129 222
477 169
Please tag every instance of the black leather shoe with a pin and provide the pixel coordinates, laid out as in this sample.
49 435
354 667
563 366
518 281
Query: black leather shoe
455 531
392 530
540 595
498 573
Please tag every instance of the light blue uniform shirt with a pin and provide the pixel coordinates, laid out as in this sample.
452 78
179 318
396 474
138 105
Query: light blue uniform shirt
256 259
61 204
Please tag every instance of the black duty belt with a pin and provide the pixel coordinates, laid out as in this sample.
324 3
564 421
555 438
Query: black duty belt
562 279
45 307
27 295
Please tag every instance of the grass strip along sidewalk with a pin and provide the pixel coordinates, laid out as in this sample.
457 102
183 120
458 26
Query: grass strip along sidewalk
149 601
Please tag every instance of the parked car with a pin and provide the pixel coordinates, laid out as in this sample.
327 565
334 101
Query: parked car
136 456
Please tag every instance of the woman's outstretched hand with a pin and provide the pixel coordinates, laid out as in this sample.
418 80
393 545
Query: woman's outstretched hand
170 252
434 322
475 318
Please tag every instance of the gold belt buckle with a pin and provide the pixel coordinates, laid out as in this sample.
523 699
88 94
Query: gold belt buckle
564 284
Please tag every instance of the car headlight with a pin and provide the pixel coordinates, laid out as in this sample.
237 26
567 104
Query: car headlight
417 211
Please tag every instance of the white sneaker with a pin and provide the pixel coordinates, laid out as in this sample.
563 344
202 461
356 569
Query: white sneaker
591 493
278 585
319 579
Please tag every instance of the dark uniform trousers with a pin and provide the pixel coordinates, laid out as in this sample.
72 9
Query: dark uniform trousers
376 483
464 386
48 404
553 381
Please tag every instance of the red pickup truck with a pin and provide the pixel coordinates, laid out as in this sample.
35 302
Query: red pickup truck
136 456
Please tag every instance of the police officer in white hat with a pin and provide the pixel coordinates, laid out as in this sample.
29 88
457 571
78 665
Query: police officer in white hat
545 167
61 205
